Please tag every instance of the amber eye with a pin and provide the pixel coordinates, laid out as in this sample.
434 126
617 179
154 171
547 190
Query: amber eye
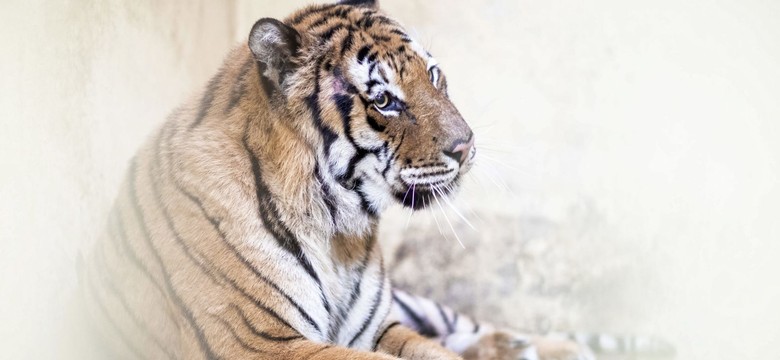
382 101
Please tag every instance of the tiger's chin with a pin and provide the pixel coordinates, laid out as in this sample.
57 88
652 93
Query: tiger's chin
421 196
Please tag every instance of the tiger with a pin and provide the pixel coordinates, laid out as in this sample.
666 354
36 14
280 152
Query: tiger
246 226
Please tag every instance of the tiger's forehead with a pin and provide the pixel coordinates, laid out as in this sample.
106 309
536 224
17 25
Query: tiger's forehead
374 52
387 69
364 41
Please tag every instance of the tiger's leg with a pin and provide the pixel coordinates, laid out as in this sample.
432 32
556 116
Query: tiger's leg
405 343
305 349
396 343
475 341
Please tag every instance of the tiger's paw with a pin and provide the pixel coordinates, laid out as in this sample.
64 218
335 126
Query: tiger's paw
550 348
502 345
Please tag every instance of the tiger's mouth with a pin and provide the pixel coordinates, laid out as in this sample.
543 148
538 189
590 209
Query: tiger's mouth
420 196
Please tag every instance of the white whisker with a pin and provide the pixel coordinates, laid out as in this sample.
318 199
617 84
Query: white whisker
477 181
455 210
433 214
484 172
407 194
414 190
483 156
411 211
484 148
448 221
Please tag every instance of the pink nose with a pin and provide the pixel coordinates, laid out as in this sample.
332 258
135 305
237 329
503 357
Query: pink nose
460 152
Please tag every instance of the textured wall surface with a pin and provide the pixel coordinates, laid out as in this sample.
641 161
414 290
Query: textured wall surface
628 178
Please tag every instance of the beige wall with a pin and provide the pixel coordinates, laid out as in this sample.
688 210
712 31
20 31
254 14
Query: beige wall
638 142
83 82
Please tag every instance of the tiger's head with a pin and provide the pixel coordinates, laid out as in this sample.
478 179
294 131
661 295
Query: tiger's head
369 99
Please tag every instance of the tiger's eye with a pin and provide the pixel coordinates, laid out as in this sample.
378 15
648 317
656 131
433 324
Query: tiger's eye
433 75
382 101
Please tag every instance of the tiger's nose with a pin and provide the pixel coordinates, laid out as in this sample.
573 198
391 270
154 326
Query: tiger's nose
461 150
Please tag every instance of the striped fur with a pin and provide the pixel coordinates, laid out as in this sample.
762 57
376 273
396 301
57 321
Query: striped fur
246 225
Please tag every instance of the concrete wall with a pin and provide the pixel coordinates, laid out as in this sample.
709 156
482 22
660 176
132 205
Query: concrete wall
83 83
628 175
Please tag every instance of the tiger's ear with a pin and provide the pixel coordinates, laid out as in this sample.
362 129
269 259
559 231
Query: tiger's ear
274 45
374 4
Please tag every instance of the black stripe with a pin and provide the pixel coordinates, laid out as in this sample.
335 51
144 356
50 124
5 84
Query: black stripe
386 151
315 352
361 272
397 151
403 346
202 343
372 57
455 319
421 326
355 294
384 20
381 38
344 178
319 22
195 258
137 321
216 225
311 11
340 12
374 124
346 45
443 315
259 333
328 34
432 173
399 32
393 61
208 98
328 135
476 328
374 306
382 335
238 339
364 204
364 3
236 252
269 214
370 85
345 105
127 250
107 314
327 193
367 21
362 53
109 285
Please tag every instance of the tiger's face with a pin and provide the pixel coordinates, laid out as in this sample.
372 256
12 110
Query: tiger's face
405 114
386 127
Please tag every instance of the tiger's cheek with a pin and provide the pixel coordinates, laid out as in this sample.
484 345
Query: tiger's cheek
370 131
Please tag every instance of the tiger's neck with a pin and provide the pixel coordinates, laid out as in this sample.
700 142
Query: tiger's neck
288 166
